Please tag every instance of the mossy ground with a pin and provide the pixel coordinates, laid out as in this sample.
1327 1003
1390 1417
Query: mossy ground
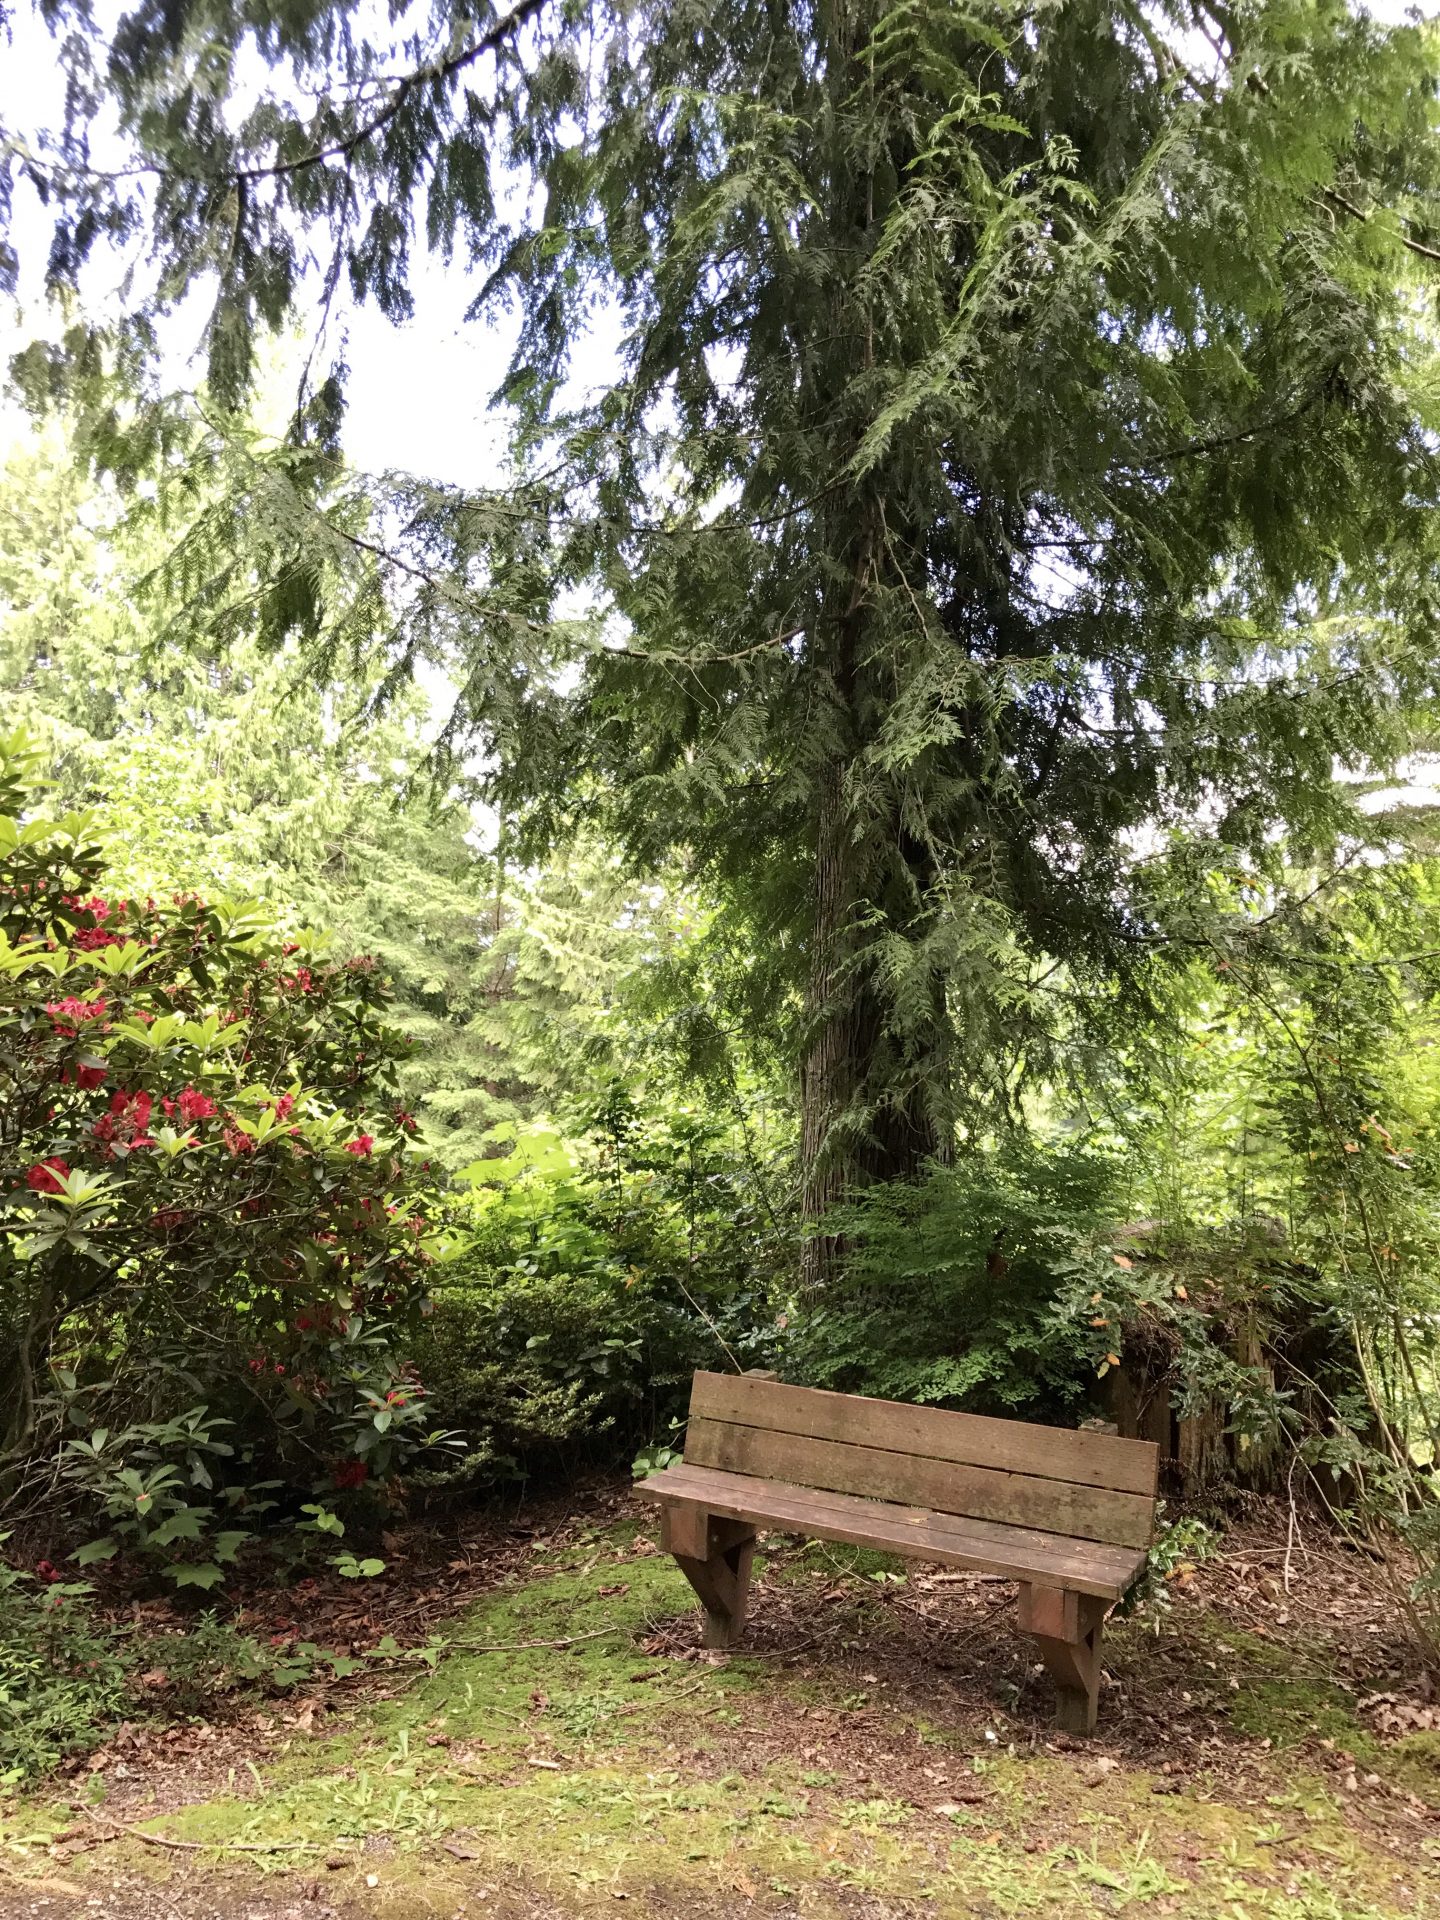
842 1776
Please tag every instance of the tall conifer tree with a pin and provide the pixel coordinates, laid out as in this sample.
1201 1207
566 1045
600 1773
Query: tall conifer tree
1022 449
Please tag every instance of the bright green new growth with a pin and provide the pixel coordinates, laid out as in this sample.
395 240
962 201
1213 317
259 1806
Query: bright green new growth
516 985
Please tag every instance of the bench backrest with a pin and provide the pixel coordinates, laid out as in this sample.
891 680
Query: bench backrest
1091 1486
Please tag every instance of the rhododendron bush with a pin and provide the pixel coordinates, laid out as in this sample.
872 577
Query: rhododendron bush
208 1235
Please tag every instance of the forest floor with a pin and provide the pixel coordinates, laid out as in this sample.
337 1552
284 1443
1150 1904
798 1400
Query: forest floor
1268 1749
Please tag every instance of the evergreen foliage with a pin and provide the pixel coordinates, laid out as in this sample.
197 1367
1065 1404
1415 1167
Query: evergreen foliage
1002 560
522 986
950 1286
1021 447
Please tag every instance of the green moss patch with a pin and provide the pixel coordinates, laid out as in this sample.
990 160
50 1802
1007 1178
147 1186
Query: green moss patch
557 1756
1414 1764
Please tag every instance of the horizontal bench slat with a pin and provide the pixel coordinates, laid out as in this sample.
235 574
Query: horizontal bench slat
943 1486
1056 1551
1049 1453
1079 1565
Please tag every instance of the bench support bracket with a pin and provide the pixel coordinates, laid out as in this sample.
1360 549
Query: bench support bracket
715 1556
1067 1628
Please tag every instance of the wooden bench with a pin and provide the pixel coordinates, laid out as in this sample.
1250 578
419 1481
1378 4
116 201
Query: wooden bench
1068 1515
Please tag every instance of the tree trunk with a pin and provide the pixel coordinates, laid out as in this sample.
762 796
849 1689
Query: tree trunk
827 1082
857 1125
861 1119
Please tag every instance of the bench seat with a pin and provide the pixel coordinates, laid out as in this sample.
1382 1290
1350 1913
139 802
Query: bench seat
1067 1515
1016 1553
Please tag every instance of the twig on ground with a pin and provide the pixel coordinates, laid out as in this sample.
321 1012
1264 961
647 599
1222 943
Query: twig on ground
1294 1525
203 1846
523 1646
633 1707
776 1653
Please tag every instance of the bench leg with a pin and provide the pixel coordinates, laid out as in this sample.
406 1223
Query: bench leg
715 1556
1066 1628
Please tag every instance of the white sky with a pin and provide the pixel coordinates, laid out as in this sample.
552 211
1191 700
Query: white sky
419 393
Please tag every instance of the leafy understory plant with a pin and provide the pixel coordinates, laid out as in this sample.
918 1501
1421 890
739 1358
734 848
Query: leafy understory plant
351 1568
149 1498
320 1520
1179 1547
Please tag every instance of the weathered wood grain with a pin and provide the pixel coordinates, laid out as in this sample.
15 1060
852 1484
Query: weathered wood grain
1013 1446
950 1540
915 1480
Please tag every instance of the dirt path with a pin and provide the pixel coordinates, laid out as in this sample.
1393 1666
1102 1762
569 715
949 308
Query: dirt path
122 1899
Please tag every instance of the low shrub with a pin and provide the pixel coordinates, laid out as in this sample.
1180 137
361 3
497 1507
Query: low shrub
62 1682
212 1249
595 1280
950 1287
69 1677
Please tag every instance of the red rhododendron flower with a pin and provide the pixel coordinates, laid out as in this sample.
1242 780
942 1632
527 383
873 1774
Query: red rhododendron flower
86 1078
237 1141
66 1013
361 1145
350 1473
47 1573
285 1106
128 1121
195 1106
45 1176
